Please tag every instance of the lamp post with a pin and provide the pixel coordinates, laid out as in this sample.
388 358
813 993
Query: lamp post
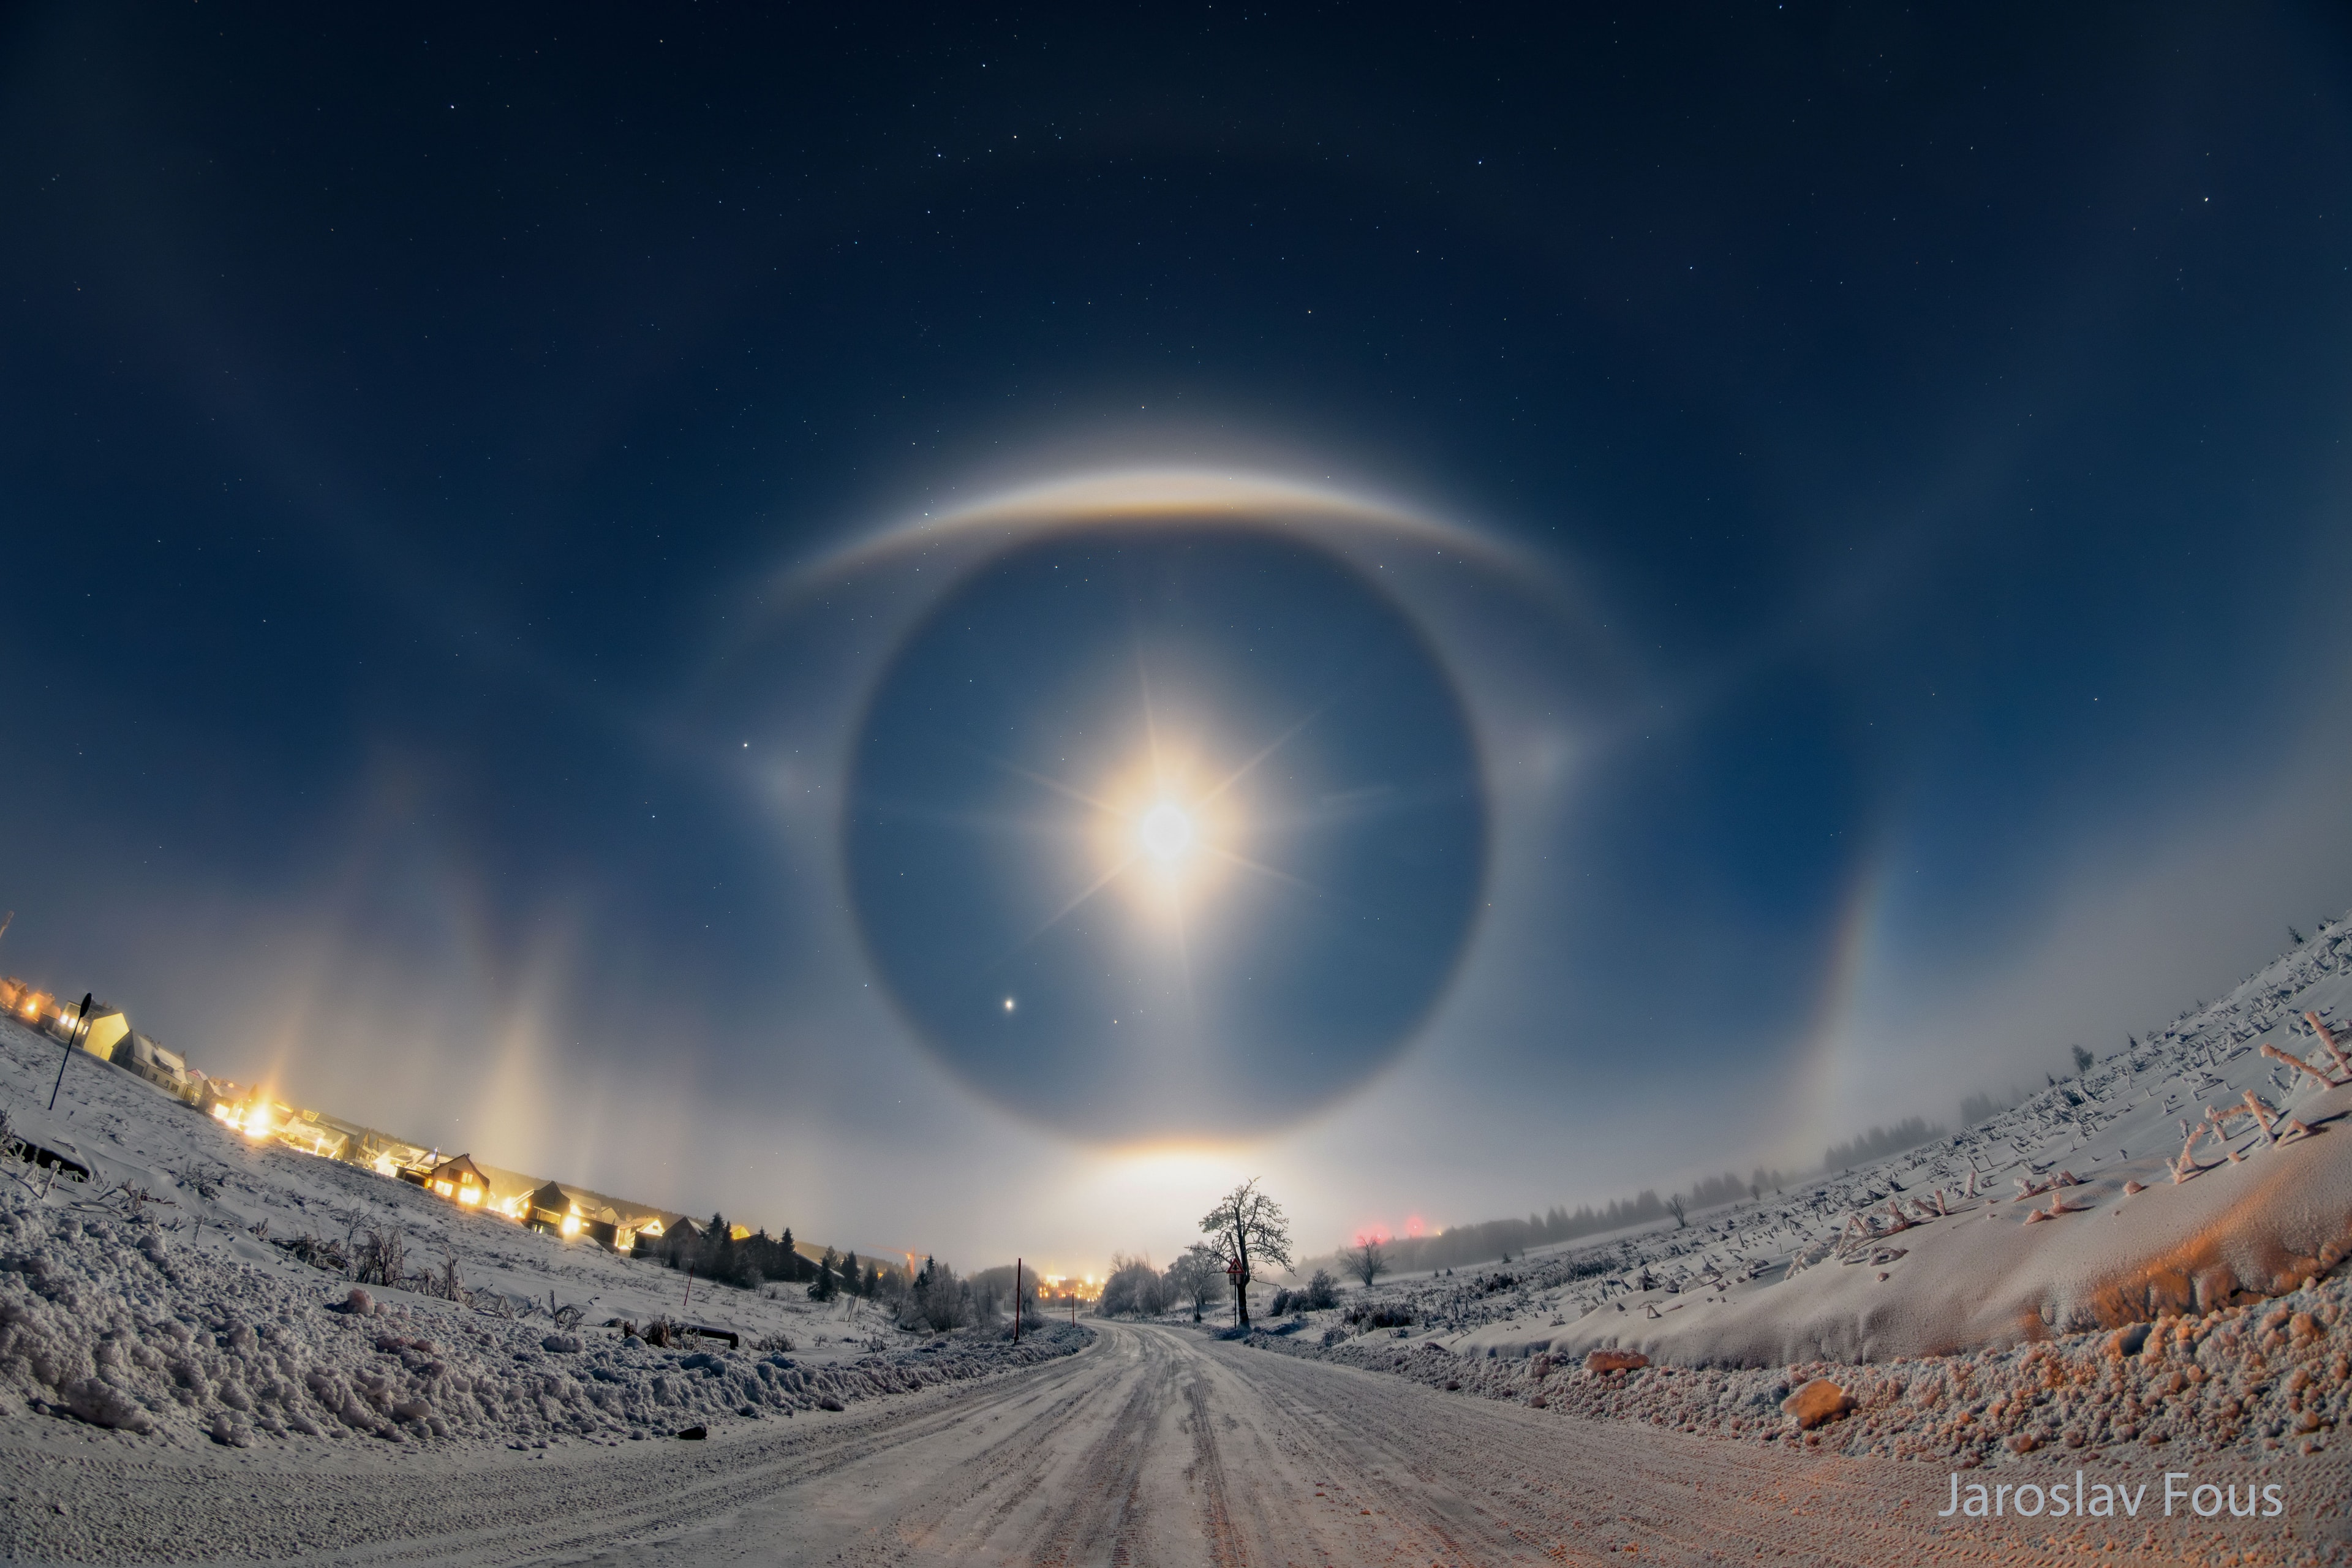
81 1019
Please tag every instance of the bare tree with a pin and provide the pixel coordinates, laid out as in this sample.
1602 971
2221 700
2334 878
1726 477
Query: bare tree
1134 1287
1366 1262
1252 1230
1675 1207
1198 1275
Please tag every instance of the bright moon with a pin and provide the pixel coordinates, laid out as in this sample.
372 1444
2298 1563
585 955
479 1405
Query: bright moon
1166 833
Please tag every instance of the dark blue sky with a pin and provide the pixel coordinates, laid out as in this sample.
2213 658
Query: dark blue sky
419 435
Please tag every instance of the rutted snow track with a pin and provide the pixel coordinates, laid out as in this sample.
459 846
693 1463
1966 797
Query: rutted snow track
1153 1446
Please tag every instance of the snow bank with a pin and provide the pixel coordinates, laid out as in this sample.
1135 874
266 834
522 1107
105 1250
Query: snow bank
2269 1380
1984 1276
2070 1213
101 1319
160 1299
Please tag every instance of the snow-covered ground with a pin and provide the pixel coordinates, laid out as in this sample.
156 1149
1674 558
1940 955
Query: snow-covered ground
1936 1252
2255 1382
160 1298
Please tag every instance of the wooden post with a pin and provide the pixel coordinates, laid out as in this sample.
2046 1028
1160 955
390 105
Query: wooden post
1016 1301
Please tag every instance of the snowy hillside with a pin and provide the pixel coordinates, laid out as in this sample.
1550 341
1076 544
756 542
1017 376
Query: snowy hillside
1968 1243
169 1294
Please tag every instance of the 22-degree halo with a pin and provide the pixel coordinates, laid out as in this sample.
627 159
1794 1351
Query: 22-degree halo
1193 794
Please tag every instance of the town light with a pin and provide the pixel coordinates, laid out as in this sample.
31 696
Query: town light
571 1225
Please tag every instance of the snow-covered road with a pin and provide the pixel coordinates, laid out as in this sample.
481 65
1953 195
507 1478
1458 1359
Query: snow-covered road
1155 1446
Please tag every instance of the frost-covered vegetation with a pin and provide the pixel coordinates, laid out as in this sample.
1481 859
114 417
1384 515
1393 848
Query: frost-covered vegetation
2202 1062
2149 1251
2266 1378
195 1285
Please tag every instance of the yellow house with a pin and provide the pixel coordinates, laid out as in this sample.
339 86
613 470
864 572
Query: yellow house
101 1031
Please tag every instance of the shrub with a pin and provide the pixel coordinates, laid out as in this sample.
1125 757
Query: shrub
1322 1291
1385 1317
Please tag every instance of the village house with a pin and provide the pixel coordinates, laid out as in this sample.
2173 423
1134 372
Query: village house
99 1032
460 1181
167 1070
552 1210
29 1002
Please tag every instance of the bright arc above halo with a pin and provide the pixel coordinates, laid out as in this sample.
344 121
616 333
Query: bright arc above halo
1150 494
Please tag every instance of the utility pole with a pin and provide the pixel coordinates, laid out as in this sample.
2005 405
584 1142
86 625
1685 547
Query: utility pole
1016 1301
80 1019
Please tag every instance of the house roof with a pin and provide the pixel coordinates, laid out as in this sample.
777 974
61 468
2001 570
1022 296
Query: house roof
552 1197
456 1169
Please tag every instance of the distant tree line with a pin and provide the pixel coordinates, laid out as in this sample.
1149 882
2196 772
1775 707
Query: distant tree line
933 1301
1907 1133
1481 1243
1978 1108
936 1300
1134 1289
713 1251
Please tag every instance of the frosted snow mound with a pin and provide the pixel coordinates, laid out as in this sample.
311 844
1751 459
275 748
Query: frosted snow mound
160 1298
1822 1271
2271 1380
102 1320
1983 1276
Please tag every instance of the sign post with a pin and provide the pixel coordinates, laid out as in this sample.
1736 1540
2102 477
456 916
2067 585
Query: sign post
81 1019
1234 1272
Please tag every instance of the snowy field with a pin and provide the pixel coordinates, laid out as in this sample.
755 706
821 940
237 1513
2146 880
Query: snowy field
2072 1213
160 1300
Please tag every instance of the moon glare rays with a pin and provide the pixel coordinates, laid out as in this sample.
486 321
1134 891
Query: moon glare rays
1109 667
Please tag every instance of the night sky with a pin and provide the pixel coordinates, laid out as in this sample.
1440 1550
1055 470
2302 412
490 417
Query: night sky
616 588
